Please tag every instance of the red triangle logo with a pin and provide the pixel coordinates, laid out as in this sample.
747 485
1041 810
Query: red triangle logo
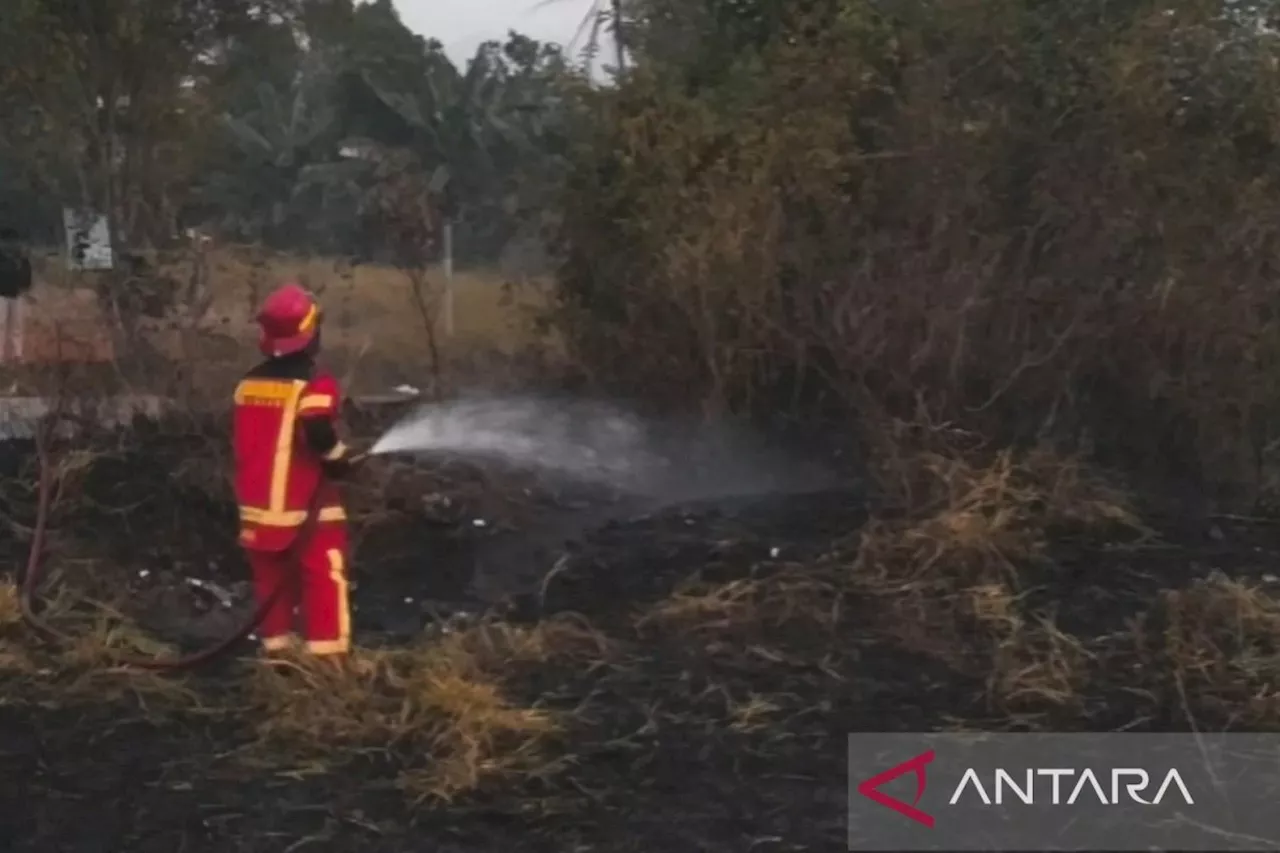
870 788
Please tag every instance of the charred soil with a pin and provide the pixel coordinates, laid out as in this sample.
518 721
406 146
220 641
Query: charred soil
681 681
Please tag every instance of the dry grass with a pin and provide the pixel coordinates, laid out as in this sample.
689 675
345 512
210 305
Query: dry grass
375 307
10 607
384 326
107 639
363 299
14 657
947 574
440 706
90 665
382 323
442 702
755 713
943 579
975 520
745 605
1221 643
1034 663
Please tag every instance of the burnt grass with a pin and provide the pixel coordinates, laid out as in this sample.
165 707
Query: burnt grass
716 736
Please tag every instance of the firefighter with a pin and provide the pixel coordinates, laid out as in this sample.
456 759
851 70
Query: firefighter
287 457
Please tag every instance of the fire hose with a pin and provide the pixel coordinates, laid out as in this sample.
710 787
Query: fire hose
29 581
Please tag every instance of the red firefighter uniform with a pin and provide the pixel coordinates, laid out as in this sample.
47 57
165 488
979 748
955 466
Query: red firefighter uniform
287 451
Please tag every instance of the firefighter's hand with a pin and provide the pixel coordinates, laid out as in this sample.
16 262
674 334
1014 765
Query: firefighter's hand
348 463
343 465
357 456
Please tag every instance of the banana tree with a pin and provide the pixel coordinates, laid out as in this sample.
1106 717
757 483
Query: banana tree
275 143
484 126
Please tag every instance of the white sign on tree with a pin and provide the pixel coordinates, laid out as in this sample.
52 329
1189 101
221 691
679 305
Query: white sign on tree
88 240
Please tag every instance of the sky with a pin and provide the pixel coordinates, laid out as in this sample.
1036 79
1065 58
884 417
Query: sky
461 25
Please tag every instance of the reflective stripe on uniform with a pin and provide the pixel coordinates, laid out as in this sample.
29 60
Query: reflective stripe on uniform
284 448
338 575
288 518
280 643
316 403
264 392
336 452
329 647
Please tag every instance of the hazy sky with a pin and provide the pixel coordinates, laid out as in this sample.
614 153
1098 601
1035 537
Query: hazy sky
461 25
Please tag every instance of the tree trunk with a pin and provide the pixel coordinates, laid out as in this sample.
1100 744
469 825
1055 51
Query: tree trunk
619 42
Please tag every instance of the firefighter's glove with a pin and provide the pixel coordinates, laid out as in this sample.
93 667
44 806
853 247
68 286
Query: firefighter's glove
357 454
347 462
339 461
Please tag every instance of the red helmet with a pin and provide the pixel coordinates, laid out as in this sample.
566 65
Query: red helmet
290 319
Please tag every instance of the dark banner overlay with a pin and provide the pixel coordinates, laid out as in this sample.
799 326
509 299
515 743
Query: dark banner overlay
1064 792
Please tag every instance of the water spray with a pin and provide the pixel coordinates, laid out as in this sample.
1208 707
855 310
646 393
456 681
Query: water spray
662 461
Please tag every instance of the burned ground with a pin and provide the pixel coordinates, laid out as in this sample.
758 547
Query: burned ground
680 681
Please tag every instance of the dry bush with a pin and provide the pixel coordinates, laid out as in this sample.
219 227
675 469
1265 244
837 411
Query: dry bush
946 576
442 704
878 215
1221 645
972 520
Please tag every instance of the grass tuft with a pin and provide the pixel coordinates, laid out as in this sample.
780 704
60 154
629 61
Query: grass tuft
442 702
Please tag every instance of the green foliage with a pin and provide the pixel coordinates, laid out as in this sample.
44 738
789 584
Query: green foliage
105 114
238 114
261 186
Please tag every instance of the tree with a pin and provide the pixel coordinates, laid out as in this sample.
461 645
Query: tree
262 187
113 84
486 126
